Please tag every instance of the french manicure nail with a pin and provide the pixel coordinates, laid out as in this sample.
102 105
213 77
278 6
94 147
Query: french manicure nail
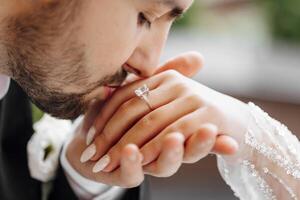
101 164
88 153
90 135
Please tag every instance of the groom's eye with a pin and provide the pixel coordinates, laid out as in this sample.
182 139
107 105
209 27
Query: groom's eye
143 20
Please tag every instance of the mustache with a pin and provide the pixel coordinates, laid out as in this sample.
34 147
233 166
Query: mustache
117 79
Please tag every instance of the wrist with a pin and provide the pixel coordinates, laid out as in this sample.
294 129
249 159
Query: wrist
237 122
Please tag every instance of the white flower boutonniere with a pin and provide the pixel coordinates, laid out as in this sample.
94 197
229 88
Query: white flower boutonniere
44 147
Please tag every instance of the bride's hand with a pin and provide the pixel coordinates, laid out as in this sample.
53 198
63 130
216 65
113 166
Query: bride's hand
131 172
179 105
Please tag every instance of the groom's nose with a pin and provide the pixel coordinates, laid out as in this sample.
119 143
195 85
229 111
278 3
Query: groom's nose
146 56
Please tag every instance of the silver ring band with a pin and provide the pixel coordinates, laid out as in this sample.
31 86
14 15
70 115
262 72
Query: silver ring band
143 93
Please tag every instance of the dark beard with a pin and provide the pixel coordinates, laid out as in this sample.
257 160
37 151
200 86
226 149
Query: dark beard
30 43
56 102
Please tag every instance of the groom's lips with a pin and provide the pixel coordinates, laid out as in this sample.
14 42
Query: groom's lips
109 90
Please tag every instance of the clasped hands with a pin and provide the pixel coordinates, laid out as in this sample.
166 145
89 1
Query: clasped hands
123 140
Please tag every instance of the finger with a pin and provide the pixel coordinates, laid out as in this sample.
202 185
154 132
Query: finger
131 169
200 144
187 125
187 64
129 113
225 145
91 113
170 158
123 95
150 125
130 79
129 174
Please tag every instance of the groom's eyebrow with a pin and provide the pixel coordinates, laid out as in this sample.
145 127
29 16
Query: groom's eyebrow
176 12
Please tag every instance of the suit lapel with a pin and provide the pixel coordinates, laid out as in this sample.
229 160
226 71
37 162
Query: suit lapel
15 131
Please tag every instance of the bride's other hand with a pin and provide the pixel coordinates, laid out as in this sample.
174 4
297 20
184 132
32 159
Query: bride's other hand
130 173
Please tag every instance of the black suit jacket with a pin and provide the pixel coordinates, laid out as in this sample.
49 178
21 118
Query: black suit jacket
15 131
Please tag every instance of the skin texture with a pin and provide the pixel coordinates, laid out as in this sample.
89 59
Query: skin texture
176 147
65 53
179 105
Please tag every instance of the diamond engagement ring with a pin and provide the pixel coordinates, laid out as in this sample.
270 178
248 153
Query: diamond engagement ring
143 93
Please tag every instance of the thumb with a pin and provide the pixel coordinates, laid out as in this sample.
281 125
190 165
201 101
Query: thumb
188 64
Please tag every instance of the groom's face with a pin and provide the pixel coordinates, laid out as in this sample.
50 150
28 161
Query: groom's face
63 53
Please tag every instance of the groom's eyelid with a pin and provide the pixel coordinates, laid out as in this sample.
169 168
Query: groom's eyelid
176 12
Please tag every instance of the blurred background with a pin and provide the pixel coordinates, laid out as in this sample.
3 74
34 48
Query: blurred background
252 52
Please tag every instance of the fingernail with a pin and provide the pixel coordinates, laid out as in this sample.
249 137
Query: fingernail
206 144
133 157
88 153
101 164
175 153
181 137
90 135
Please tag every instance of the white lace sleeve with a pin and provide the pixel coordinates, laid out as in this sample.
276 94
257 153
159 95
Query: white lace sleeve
268 165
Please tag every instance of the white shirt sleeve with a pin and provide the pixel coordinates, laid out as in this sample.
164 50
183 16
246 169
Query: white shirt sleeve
83 187
4 85
268 163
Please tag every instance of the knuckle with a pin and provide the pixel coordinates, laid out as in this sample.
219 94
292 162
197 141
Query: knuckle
148 120
194 100
171 129
124 108
180 88
149 152
171 74
215 110
185 125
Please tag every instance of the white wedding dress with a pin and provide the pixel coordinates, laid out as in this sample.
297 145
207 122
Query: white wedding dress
268 164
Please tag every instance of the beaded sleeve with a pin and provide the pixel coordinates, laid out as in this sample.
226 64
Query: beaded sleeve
268 165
